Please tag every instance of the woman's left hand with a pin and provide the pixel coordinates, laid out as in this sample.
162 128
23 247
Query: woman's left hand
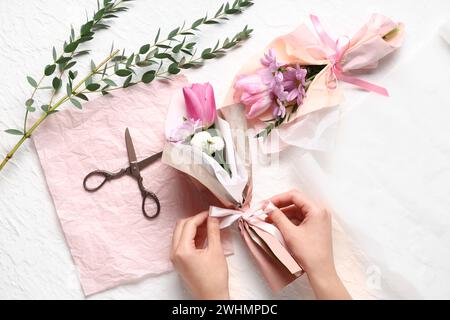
204 270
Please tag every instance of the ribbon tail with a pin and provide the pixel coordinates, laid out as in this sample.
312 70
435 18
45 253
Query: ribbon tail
363 84
323 35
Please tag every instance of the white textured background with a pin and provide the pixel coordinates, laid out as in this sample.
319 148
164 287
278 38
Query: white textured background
34 259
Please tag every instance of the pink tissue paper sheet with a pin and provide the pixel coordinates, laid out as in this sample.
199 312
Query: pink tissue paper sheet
110 240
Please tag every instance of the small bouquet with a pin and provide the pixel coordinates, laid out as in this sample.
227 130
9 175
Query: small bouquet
299 74
201 143
213 148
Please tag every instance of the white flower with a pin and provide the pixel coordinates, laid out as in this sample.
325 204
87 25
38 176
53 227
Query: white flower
200 140
215 144
207 143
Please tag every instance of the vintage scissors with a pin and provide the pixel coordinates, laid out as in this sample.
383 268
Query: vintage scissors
134 171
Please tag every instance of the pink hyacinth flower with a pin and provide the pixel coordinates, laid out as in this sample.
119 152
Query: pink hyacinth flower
200 103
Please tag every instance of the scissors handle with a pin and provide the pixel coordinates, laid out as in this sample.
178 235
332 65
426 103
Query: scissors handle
149 196
105 175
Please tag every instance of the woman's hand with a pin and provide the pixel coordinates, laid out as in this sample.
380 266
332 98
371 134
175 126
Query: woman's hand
204 270
306 228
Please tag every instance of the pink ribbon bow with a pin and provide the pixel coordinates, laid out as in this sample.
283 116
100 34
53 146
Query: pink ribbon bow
339 47
254 216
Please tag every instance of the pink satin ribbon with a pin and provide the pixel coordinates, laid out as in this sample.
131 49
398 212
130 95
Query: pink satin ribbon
339 48
254 216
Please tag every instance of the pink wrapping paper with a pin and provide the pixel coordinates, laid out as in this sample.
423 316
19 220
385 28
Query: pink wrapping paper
110 240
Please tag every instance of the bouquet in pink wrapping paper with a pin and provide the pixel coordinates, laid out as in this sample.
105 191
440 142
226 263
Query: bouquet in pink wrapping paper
299 74
212 147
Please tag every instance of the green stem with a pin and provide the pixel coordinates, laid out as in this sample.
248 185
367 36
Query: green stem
32 96
28 133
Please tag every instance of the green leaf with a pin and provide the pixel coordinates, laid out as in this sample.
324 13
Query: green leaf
173 68
76 103
164 56
144 49
73 75
163 46
82 96
173 33
81 53
219 11
93 86
29 102
148 76
99 14
187 66
71 47
157 35
32 82
130 60
123 72
54 54
69 65
56 83
110 82
15 132
197 23
177 48
207 54
85 28
49 69
62 60
187 33
145 63
190 45
93 66
187 52
211 22
127 82
69 90
45 107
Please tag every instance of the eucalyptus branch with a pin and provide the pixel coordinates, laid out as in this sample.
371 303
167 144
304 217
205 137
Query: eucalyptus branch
174 66
65 60
170 55
52 109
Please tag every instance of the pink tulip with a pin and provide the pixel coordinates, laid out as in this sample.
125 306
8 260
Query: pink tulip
200 103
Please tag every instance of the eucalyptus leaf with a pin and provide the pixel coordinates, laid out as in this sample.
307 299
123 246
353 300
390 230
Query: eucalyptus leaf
110 82
71 47
29 102
173 33
93 86
63 60
157 35
76 103
14 132
82 96
127 82
56 83
123 72
173 68
148 76
144 49
32 82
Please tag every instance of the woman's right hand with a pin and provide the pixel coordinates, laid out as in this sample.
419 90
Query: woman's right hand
306 229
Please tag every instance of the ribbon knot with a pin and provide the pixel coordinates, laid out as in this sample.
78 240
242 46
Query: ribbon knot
255 216
339 48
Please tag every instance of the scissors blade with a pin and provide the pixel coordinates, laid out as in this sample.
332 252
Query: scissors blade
148 161
130 147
